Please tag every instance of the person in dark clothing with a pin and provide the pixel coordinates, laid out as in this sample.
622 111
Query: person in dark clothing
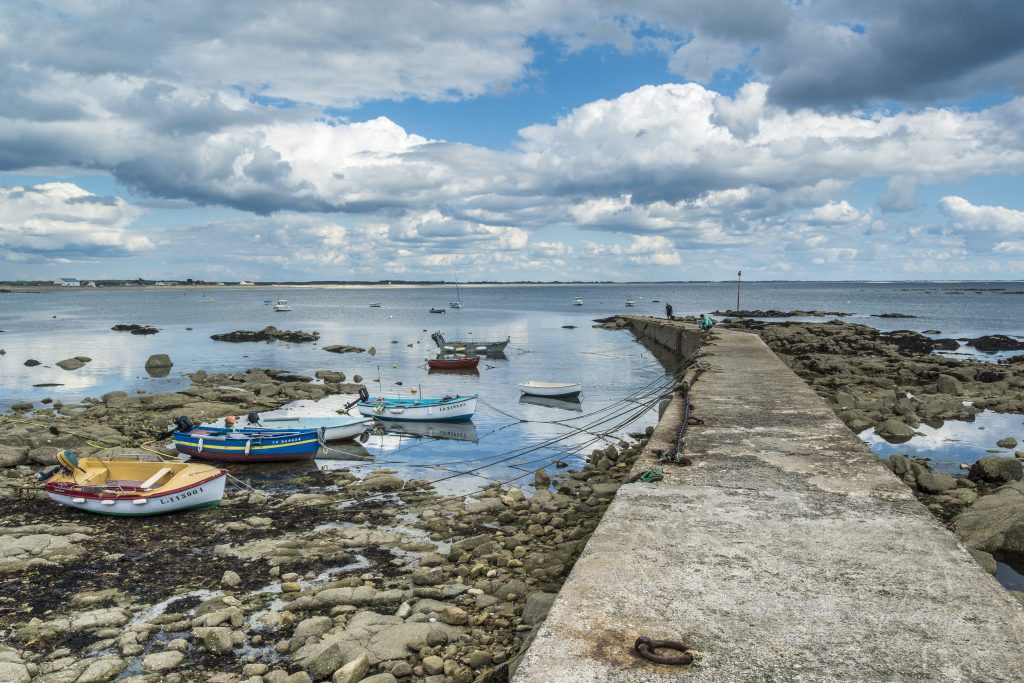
668 312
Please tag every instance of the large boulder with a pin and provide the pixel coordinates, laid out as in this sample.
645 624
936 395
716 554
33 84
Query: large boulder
895 431
11 456
935 482
158 360
330 376
947 384
70 363
995 469
354 671
158 365
994 523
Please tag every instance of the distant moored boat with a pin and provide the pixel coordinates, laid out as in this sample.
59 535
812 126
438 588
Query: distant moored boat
535 388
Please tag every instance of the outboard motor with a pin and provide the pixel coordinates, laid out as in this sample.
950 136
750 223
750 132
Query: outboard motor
181 424
364 396
253 418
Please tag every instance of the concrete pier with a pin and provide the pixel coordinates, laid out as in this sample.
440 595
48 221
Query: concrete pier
785 552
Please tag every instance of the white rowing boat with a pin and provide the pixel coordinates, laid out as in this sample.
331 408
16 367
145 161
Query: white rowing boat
535 388
335 427
133 488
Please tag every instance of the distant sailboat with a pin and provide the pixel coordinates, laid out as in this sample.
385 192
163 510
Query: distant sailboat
458 298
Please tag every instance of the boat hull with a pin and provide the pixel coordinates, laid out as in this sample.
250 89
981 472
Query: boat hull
453 363
334 429
411 410
463 346
561 390
212 447
199 496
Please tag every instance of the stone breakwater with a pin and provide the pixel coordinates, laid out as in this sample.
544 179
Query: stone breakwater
894 383
314 575
783 551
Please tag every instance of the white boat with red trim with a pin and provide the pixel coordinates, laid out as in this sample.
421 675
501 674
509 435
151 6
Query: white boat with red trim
133 488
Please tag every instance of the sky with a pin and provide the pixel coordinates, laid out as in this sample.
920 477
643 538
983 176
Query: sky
525 140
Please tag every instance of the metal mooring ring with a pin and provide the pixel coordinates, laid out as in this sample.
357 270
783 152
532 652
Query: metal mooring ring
645 647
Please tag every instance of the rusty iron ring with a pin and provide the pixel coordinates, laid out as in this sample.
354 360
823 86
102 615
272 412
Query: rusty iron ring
645 647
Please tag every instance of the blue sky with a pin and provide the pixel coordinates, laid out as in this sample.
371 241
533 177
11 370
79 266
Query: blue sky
513 140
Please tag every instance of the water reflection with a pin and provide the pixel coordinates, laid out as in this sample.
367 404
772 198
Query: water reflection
571 404
954 442
457 431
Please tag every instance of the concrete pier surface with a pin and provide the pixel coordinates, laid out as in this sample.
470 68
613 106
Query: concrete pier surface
785 552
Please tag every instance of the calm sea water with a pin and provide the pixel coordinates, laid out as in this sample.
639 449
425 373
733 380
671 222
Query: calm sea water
507 438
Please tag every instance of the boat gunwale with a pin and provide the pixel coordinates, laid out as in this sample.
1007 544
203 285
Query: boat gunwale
416 402
69 491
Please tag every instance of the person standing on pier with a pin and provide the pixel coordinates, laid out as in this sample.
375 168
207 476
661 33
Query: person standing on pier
668 312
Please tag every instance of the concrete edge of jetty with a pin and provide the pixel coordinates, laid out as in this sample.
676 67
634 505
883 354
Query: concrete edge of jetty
785 552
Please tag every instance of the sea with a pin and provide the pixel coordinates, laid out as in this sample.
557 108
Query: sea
552 339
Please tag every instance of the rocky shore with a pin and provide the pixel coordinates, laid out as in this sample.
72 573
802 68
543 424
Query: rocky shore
309 575
773 313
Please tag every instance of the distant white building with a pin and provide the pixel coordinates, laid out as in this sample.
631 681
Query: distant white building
246 283
90 283
68 282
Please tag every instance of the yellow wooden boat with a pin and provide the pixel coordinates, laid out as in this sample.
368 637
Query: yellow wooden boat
132 487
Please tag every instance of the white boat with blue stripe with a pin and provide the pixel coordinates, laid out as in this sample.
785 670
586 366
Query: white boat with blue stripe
445 409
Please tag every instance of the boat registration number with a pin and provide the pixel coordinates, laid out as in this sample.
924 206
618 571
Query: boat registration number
184 495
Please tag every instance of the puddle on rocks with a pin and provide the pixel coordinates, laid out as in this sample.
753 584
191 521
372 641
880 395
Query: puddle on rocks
962 442
955 442
1010 571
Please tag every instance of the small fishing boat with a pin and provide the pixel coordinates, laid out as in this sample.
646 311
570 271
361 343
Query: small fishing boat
630 302
132 487
490 348
334 427
571 403
453 362
577 302
437 310
281 306
535 388
375 305
219 444
445 409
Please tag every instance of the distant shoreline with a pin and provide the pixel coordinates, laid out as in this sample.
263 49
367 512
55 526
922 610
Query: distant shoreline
19 288
41 289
